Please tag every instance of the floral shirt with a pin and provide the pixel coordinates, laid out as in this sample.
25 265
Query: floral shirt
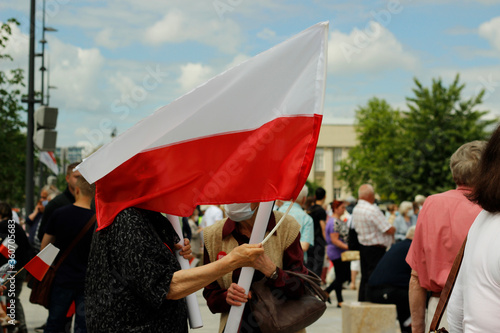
131 265
334 225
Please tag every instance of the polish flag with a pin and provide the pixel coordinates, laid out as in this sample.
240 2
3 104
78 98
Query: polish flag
4 247
246 135
40 264
48 158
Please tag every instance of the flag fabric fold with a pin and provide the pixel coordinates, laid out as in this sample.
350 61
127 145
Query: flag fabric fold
48 158
40 264
247 135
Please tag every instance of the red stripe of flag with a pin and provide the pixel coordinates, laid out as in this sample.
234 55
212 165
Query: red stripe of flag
37 267
4 251
40 264
268 163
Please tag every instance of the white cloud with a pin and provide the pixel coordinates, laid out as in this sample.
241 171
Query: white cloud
88 148
80 131
267 34
193 75
17 47
122 83
77 73
372 50
177 26
108 39
491 31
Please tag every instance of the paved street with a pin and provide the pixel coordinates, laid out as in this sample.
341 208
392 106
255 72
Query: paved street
330 322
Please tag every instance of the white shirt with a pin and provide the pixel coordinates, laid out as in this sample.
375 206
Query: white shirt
212 214
371 225
474 304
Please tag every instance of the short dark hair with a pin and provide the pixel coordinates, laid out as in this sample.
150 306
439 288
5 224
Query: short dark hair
320 193
5 211
86 189
69 169
486 188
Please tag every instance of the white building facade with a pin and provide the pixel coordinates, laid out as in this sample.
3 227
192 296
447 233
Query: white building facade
334 144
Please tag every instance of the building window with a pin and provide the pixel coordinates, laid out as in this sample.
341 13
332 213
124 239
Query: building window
337 192
319 162
337 157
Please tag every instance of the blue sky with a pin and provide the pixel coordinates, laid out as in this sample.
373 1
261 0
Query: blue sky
104 51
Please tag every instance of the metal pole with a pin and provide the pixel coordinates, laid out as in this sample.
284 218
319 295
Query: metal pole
43 41
48 82
41 176
29 174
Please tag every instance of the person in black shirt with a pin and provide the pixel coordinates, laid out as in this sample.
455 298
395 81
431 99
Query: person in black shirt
316 253
63 227
390 281
21 255
63 199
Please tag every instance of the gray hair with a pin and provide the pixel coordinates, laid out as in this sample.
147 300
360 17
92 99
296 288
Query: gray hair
303 194
465 161
404 207
419 198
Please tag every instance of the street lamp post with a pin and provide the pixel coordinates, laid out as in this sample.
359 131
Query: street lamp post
29 172
48 83
43 41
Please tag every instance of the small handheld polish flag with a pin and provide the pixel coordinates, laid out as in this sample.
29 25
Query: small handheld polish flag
40 264
4 247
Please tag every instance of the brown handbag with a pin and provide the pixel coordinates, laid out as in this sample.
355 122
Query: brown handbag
40 290
275 313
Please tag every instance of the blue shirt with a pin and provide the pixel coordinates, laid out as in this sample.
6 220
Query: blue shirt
306 223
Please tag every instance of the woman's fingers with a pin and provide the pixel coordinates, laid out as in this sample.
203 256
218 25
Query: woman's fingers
236 295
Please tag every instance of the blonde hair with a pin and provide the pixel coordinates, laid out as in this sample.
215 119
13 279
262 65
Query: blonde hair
405 206
411 232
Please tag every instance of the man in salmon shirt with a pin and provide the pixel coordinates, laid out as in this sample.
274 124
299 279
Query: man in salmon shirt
442 225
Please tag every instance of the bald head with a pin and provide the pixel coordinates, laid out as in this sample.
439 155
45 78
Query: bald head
367 193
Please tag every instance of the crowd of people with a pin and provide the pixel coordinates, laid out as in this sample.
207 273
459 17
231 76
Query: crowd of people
404 253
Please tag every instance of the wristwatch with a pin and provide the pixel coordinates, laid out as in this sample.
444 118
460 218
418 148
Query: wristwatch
274 275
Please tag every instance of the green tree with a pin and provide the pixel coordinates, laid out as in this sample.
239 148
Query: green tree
439 122
408 153
12 139
379 131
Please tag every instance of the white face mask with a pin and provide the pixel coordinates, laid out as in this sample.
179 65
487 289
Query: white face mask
239 211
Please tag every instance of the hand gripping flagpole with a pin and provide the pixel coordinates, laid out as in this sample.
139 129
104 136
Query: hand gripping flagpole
194 313
246 275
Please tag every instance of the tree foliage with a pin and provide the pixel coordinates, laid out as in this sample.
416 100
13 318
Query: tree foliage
408 153
12 139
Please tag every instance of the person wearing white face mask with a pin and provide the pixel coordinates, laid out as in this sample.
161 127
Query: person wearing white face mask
404 221
282 252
